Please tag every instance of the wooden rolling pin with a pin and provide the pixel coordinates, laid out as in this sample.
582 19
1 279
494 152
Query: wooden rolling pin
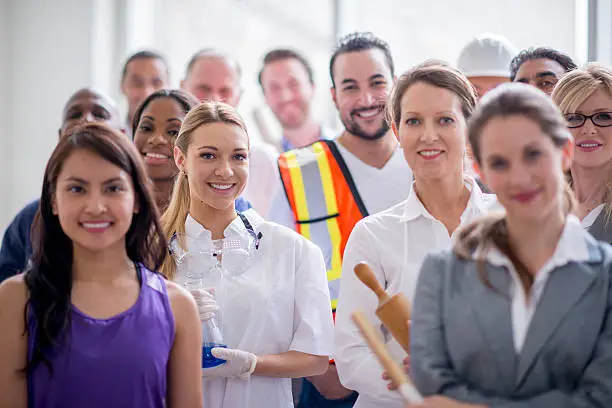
407 390
393 312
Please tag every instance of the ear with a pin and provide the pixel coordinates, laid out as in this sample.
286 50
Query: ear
567 155
182 85
333 95
136 206
179 159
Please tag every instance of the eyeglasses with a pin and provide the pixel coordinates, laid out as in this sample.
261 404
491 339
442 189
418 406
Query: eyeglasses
600 119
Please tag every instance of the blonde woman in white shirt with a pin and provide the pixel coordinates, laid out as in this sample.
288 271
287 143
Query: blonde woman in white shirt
519 313
429 108
273 299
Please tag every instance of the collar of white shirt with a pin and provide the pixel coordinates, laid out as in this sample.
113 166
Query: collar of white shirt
590 218
236 228
572 247
414 208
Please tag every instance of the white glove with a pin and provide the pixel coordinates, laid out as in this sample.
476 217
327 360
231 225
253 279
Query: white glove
239 364
207 306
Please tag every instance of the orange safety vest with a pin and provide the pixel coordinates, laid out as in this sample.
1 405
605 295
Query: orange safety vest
325 202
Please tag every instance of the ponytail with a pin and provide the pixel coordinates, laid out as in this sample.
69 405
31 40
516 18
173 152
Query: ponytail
569 199
173 220
492 230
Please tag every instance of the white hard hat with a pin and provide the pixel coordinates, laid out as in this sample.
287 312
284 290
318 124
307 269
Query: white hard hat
487 55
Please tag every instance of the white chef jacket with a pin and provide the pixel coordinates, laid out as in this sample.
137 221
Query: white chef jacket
280 303
394 244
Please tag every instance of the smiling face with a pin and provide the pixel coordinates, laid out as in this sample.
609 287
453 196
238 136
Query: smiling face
288 91
523 167
432 131
213 79
593 143
216 164
143 76
154 138
94 201
363 81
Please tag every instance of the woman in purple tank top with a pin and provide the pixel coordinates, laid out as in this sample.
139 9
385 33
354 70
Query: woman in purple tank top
89 324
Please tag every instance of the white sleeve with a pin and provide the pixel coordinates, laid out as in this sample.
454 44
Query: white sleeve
281 212
358 367
313 326
264 180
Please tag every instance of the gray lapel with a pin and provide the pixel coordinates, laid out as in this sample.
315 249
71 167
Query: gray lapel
601 230
492 309
565 287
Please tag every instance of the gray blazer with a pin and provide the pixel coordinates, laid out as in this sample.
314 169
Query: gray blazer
601 230
462 341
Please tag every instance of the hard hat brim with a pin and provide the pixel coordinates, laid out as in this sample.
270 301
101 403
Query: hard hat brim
487 73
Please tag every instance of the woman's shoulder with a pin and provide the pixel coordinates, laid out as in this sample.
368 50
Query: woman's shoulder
176 292
181 301
13 291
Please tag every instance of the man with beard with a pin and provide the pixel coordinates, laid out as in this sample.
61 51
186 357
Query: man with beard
287 82
330 185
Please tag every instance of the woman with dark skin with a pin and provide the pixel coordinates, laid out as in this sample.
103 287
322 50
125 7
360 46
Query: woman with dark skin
156 124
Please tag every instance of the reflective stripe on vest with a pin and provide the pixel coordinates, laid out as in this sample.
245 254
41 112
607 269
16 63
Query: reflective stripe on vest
324 202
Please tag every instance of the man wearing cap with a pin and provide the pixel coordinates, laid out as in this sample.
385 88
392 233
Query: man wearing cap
485 61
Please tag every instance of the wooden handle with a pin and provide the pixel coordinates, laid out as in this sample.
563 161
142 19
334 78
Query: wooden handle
395 314
365 274
405 387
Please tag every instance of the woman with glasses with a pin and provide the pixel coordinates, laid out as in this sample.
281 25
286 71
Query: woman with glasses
585 98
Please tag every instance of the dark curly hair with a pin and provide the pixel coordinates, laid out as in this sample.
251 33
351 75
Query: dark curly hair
358 41
540 53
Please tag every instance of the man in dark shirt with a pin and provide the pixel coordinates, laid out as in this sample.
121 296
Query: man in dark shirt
85 105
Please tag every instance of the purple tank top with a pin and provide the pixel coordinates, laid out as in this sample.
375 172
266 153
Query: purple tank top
116 362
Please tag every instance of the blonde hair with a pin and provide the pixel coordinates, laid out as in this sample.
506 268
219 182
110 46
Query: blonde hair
573 90
578 85
513 99
173 219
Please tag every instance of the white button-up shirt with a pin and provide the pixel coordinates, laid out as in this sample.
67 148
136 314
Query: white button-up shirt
394 243
571 248
278 303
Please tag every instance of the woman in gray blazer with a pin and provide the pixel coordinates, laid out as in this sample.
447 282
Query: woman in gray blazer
518 314
584 96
